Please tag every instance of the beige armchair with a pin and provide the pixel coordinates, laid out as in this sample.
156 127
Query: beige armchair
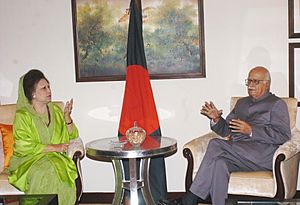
75 151
280 183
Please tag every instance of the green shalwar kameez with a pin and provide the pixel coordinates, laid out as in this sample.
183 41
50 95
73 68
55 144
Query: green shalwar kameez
33 170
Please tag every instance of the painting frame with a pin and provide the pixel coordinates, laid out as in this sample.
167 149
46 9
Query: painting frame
294 32
200 72
293 59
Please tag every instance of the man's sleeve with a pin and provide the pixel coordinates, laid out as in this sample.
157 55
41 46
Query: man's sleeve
222 127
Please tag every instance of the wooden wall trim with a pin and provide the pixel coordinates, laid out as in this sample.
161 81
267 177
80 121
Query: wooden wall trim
106 197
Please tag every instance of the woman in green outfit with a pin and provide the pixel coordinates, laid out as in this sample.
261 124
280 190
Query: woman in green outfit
42 132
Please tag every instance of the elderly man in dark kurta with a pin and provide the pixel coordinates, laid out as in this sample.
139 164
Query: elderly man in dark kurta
256 126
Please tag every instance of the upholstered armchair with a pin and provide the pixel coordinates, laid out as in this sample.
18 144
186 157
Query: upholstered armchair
75 151
280 183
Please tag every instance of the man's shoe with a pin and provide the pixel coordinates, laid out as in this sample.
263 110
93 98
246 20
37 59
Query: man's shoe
167 202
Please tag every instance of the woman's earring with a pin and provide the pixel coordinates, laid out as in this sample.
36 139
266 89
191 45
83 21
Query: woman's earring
33 96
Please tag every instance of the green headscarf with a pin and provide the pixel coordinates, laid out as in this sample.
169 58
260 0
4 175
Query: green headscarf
23 103
22 99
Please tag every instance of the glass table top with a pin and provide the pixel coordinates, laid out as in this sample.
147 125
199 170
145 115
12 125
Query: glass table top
113 147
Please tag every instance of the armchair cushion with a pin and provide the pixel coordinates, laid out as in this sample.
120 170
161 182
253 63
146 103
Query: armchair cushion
254 181
7 142
6 188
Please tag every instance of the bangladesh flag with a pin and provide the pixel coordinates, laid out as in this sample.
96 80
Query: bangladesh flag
138 102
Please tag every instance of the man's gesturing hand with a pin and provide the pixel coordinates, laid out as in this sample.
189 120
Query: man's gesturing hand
210 111
240 126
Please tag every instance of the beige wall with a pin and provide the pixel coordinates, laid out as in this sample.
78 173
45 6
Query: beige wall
238 33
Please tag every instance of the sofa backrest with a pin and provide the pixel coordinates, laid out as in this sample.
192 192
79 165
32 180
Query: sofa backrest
292 104
8 111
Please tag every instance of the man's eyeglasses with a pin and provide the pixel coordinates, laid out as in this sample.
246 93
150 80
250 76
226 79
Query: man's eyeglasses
253 81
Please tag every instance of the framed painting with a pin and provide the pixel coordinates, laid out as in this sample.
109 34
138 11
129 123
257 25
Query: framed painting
294 18
294 72
173 32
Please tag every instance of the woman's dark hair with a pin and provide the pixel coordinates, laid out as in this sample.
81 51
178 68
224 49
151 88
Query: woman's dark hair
31 78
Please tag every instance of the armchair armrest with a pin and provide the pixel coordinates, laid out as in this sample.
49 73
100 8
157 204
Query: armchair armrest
76 149
194 152
285 166
76 152
291 147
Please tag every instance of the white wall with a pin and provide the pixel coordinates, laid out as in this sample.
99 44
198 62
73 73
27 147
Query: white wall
238 35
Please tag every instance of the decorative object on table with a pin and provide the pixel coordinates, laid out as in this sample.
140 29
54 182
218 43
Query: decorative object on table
135 135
